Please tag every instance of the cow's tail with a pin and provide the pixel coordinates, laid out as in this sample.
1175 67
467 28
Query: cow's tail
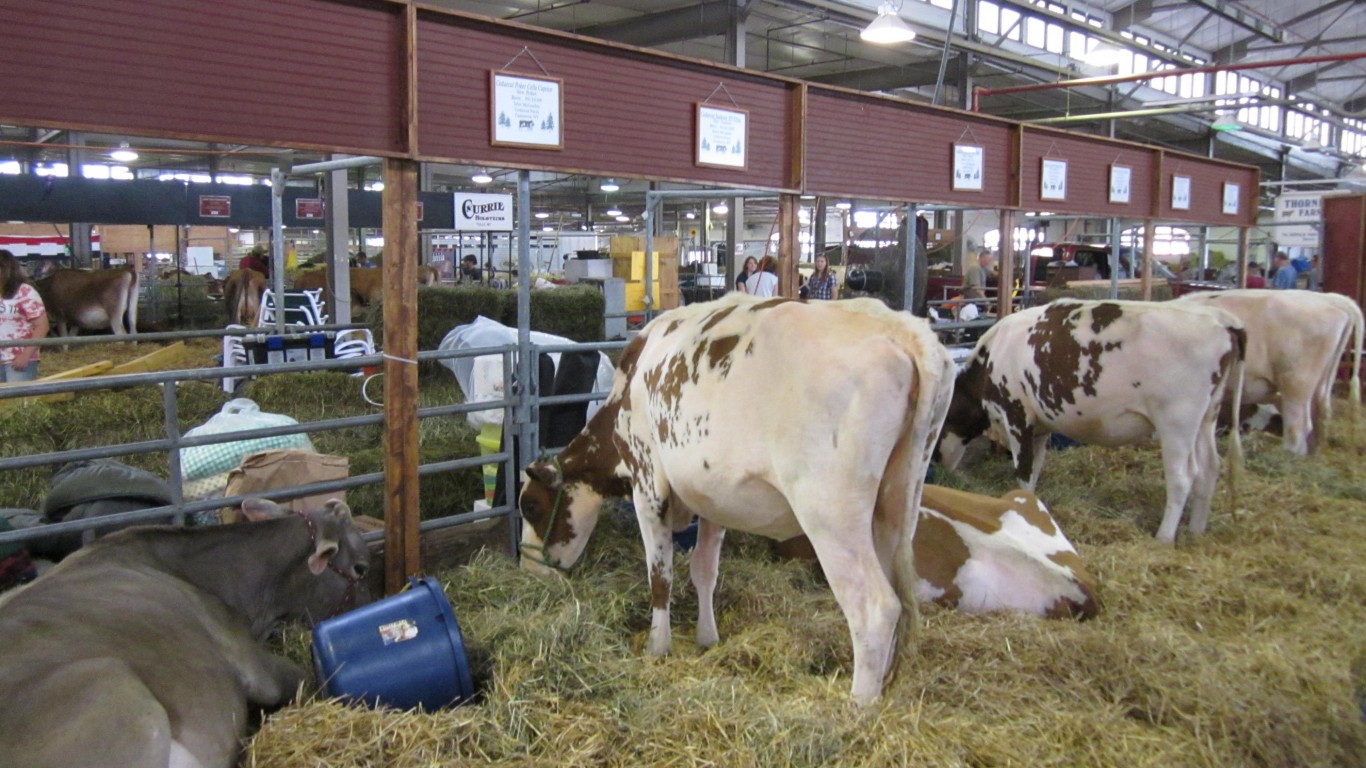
1234 378
929 405
1354 385
132 309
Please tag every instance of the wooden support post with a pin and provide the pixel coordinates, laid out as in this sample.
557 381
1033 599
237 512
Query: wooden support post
789 245
402 554
1005 284
1149 229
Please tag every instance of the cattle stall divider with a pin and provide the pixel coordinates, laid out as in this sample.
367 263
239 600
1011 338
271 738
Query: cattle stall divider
173 441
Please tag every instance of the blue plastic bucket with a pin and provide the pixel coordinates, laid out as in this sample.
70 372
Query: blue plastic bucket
404 651
686 539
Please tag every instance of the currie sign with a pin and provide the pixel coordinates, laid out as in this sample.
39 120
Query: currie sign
483 213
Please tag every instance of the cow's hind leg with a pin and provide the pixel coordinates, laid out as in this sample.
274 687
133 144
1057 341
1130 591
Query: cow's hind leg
706 564
1206 477
1178 463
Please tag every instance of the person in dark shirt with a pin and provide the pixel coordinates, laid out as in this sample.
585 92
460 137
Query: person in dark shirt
469 270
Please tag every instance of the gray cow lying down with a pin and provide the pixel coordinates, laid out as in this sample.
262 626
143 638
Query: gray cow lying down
142 649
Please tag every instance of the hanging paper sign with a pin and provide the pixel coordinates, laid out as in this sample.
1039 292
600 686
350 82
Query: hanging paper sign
1181 193
1120 176
722 137
967 167
1297 216
1053 180
309 208
526 111
483 213
215 207
1231 195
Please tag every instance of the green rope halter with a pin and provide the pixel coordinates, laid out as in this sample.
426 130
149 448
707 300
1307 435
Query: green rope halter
542 549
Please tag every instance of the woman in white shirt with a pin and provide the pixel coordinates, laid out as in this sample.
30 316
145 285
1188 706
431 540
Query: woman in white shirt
765 281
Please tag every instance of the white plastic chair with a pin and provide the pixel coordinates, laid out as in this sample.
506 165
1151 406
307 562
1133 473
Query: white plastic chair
353 342
300 308
234 354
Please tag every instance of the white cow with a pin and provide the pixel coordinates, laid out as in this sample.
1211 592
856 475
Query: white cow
1294 342
772 417
1111 373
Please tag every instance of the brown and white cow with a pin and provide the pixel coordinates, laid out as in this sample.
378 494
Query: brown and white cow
142 649
92 299
242 296
772 417
1294 342
981 554
1110 373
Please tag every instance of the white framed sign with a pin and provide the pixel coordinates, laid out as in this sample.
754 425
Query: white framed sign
1120 177
526 111
1181 193
968 162
1053 180
1231 195
722 137
477 212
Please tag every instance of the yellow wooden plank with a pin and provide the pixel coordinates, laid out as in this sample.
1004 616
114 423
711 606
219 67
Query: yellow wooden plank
90 369
159 360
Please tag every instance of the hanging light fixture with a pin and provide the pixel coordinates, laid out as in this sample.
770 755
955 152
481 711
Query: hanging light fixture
613 211
1225 122
1311 144
481 178
844 205
720 208
542 214
888 28
610 185
623 219
123 154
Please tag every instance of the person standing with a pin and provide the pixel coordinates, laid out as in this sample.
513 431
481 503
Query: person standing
978 277
822 283
255 260
1285 276
764 282
750 267
22 316
469 270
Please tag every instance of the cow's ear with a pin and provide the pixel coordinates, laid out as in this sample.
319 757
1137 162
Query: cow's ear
545 474
322 553
339 508
257 510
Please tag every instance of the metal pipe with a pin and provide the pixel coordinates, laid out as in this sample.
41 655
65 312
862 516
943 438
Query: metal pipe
334 165
277 245
1113 79
1093 116
526 362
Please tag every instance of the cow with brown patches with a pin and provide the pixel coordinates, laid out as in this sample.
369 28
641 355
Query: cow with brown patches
1294 342
1110 373
980 554
765 442
92 299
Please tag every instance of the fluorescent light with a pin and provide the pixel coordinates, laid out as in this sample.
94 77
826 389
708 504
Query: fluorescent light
720 208
613 211
1225 122
123 154
688 215
623 219
844 205
610 185
377 186
888 27
547 229
481 178
542 215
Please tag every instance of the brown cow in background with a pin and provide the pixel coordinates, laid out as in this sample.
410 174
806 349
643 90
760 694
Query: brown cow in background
242 296
367 285
92 299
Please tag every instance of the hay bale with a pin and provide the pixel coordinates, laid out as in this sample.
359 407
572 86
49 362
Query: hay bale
1245 647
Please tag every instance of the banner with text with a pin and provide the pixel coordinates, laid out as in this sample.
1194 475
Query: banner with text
483 213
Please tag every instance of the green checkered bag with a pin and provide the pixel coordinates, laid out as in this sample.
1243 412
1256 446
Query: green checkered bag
202 461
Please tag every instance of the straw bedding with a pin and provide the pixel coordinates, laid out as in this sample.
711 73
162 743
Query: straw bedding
1246 647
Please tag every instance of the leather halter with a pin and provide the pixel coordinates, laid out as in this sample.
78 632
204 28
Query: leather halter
348 599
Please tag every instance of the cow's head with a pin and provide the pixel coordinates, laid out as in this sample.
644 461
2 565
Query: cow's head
557 518
329 575
967 417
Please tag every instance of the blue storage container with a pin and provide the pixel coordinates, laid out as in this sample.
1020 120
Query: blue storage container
404 651
686 539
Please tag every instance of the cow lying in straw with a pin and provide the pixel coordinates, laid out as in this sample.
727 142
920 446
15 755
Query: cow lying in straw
718 410
142 648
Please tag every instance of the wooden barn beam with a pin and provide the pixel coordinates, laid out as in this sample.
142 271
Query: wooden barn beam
402 554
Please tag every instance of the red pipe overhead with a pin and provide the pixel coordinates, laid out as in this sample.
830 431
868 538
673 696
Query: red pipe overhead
1112 79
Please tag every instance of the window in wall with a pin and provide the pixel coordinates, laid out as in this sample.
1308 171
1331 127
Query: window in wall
1054 38
1010 23
1034 32
1169 243
989 18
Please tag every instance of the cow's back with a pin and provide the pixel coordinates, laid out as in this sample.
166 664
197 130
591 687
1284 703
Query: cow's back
726 398
1103 372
